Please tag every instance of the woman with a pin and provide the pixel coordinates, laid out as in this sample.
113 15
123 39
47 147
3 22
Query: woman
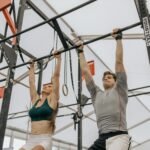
44 110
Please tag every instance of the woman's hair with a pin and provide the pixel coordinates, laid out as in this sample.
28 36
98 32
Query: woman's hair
53 118
47 83
109 73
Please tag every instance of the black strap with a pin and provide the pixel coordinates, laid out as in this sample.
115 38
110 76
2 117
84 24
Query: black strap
2 54
71 75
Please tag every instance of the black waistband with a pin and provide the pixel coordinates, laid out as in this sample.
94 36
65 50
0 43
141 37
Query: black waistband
111 134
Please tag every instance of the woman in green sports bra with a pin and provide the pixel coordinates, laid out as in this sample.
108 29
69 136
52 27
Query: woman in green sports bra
44 110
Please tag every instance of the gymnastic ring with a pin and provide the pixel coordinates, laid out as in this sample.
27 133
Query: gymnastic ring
65 89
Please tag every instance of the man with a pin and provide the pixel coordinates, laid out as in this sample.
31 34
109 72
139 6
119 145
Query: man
110 104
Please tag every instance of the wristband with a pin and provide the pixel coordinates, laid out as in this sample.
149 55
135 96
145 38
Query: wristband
80 50
119 36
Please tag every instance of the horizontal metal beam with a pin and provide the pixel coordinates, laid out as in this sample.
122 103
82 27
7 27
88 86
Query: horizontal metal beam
143 87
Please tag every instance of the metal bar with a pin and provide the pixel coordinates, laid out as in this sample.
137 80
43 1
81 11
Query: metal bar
2 80
144 93
141 8
143 87
44 22
20 17
80 115
74 47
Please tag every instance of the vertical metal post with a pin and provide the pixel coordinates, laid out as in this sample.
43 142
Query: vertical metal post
11 58
145 18
11 140
79 106
22 7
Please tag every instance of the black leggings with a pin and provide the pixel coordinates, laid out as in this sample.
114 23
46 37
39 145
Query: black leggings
100 143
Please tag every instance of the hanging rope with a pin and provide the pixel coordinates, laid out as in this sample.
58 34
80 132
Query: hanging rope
2 54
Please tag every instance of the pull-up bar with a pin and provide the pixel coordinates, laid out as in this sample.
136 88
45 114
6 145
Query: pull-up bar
74 47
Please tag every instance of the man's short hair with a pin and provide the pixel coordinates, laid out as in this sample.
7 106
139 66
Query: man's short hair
110 73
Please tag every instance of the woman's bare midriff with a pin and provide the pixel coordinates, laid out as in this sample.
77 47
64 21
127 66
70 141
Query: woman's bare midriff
41 127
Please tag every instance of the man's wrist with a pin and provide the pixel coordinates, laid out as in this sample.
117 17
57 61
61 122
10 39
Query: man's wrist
119 36
80 50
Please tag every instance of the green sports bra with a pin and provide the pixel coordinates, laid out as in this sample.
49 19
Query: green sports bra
44 112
